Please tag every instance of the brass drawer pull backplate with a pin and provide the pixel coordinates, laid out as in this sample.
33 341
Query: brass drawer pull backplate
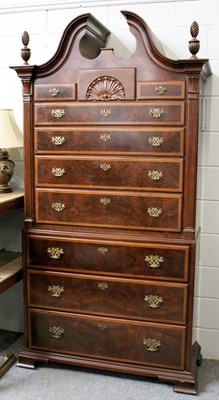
155 175
160 90
154 261
58 171
56 290
155 141
56 332
58 140
58 113
58 206
54 92
156 112
154 212
153 301
151 344
55 252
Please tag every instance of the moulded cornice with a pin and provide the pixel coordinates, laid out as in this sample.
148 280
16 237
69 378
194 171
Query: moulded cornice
154 49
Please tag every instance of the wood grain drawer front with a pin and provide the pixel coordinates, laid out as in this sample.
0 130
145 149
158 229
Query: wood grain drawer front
164 302
55 92
156 113
108 258
108 338
110 172
114 140
109 209
164 90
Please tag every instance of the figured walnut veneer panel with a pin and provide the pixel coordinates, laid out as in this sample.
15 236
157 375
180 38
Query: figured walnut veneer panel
126 210
158 261
110 338
108 172
110 140
158 90
170 113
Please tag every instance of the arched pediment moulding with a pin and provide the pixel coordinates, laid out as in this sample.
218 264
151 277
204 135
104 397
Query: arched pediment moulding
83 45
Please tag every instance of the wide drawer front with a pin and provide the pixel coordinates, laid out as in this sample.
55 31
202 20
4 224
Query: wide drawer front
108 172
163 302
110 209
108 338
55 92
127 259
168 141
156 113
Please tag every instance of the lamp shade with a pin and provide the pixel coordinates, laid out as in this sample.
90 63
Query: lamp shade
10 134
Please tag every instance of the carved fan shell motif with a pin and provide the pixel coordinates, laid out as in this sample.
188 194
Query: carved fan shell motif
106 88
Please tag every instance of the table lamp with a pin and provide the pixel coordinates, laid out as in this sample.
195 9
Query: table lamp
10 137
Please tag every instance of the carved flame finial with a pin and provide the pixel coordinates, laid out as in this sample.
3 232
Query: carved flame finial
25 52
194 44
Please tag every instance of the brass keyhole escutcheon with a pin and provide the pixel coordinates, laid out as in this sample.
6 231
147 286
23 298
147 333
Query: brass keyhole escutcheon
105 112
102 250
105 166
102 326
103 285
105 200
105 137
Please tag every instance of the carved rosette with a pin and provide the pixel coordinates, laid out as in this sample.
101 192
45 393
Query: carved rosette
105 88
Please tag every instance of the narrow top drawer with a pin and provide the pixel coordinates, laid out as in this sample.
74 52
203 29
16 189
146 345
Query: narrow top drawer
55 92
166 90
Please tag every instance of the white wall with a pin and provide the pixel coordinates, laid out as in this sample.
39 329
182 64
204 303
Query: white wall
170 21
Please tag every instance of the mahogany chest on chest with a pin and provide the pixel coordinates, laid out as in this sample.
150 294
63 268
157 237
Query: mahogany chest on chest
110 177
